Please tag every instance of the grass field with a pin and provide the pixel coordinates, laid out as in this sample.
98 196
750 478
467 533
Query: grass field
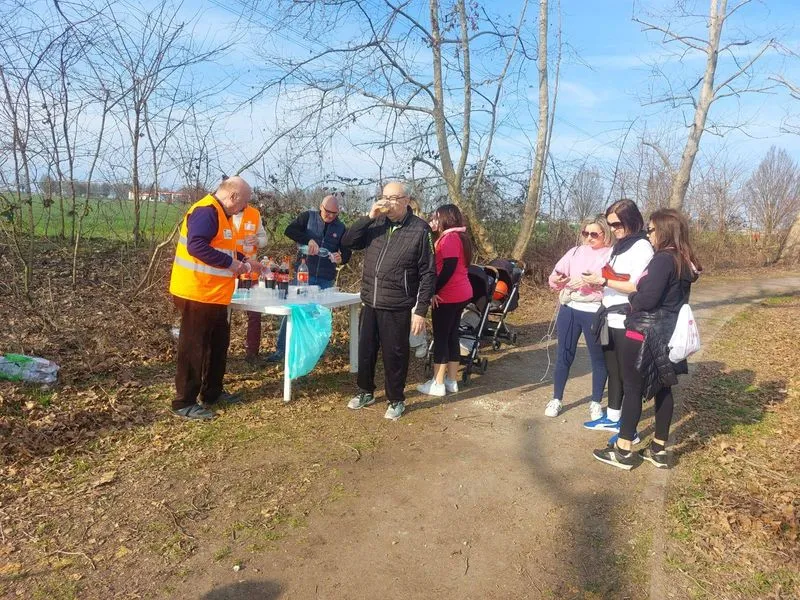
107 219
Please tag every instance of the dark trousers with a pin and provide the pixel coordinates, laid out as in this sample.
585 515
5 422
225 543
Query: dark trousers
446 347
252 342
388 331
202 352
613 360
569 326
632 403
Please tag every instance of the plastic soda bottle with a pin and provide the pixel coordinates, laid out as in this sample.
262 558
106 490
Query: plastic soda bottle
302 273
323 252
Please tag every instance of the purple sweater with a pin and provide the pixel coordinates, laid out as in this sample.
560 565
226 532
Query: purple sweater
202 226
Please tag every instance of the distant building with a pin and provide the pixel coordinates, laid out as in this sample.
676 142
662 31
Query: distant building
162 196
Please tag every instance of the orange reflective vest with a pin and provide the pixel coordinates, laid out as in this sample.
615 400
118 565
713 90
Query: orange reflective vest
193 279
250 224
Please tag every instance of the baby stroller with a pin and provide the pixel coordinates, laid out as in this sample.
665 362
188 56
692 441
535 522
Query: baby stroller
504 299
473 322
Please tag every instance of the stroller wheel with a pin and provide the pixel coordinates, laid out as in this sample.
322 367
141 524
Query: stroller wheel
513 338
496 344
484 365
465 376
428 369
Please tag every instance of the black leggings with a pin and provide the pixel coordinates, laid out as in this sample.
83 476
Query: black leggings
632 402
611 353
446 318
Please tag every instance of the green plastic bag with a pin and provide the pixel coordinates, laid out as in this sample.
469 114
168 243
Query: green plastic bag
311 331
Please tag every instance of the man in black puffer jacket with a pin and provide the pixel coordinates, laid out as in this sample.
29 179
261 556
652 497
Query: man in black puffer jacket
399 278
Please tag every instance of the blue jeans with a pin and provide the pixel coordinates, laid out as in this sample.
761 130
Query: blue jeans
569 326
312 280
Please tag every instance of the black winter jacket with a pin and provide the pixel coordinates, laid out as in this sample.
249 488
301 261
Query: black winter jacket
399 266
655 305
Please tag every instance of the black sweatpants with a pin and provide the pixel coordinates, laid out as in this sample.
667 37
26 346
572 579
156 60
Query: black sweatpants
614 367
628 350
202 352
446 318
388 331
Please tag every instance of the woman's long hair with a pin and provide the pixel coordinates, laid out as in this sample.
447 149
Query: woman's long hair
628 214
672 234
450 216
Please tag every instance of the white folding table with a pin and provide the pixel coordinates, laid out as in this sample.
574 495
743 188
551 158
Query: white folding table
273 306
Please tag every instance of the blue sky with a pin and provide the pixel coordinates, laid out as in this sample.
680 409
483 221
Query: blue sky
606 83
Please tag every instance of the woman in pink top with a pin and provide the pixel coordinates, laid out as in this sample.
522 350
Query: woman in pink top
453 291
580 302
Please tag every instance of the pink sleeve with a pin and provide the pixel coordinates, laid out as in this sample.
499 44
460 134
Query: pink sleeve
563 266
450 246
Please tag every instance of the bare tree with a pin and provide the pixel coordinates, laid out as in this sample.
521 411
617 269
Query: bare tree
716 200
586 194
407 74
706 89
773 194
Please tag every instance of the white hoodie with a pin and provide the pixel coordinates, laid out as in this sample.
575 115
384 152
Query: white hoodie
632 262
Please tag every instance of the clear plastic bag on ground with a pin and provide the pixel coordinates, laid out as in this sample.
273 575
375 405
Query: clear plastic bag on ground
311 331
31 369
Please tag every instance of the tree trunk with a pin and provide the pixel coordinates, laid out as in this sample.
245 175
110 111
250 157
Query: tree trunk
680 183
452 178
531 211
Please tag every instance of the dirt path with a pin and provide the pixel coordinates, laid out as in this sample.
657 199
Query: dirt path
482 496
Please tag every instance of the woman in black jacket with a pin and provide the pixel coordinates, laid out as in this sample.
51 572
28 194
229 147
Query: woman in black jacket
646 371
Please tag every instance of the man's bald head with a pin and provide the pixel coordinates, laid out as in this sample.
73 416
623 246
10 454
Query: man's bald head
234 193
329 208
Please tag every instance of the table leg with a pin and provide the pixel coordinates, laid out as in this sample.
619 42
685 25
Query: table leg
354 310
287 382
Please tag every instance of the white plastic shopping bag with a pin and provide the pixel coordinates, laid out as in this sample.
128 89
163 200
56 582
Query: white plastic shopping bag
685 340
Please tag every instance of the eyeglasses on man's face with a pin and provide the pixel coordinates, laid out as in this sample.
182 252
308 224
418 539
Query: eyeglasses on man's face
592 234
332 213
391 198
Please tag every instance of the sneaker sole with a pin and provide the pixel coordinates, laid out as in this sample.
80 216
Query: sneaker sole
432 394
652 462
546 414
613 463
603 428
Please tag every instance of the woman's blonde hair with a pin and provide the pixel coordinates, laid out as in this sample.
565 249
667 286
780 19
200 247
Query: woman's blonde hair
602 223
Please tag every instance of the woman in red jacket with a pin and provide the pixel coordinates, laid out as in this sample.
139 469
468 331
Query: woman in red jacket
453 252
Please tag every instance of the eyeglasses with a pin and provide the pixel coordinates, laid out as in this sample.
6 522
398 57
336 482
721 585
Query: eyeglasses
329 212
616 225
391 198
592 234
650 230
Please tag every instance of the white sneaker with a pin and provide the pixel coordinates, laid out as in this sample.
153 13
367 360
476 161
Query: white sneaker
394 411
431 388
553 408
450 386
595 411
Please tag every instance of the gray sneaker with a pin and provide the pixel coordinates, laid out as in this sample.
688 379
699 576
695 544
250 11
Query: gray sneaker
394 411
195 412
361 400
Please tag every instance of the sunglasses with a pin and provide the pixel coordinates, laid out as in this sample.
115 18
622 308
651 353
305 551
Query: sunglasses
330 212
592 234
650 230
615 225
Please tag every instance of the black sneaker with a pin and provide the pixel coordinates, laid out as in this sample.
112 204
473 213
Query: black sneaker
659 459
616 457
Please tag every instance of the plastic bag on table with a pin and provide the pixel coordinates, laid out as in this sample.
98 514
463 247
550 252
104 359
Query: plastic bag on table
311 331
19 367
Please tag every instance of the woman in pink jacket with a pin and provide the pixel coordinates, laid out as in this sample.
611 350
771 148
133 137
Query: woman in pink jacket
579 305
